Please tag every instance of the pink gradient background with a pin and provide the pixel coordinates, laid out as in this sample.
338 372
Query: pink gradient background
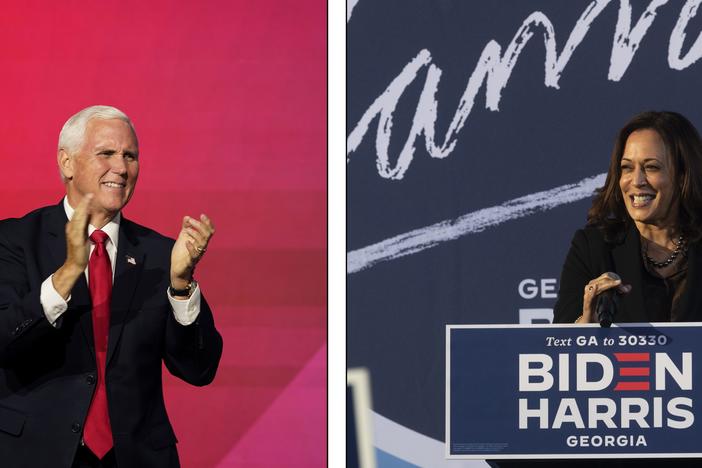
229 102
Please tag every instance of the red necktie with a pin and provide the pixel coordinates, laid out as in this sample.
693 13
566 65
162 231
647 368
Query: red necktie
97 433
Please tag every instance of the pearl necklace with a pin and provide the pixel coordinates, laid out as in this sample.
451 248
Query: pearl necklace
679 247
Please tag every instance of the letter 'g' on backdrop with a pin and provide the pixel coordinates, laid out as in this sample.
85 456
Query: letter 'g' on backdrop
228 100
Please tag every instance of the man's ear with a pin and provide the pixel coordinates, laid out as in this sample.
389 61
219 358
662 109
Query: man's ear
65 163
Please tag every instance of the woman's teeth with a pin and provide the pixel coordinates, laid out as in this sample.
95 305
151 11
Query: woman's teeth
642 199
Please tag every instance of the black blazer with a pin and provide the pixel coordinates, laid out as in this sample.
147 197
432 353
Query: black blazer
47 374
590 256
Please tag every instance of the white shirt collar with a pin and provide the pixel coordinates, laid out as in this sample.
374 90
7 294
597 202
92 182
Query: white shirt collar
111 228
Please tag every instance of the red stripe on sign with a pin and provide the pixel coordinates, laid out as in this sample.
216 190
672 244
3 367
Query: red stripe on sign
627 386
628 357
630 371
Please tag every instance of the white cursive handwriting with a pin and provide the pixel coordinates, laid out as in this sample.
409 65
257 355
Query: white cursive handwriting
494 68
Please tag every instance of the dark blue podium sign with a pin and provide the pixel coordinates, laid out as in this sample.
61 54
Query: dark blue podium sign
561 391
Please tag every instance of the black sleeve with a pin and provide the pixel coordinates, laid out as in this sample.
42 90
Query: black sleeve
23 324
576 273
192 352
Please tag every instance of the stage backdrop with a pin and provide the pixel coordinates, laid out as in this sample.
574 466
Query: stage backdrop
476 134
228 99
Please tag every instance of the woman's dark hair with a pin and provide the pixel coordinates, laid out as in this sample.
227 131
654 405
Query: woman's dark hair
684 146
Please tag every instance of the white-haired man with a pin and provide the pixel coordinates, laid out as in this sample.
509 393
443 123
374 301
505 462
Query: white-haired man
91 304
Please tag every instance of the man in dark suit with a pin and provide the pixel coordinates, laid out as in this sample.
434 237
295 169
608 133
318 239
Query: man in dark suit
91 304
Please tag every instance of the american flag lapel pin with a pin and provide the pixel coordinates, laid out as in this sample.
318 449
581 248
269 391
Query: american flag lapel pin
131 260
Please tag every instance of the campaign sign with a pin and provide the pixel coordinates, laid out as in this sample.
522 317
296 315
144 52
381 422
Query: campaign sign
560 391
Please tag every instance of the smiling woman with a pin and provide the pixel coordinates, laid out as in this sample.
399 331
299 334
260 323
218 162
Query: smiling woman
647 181
642 238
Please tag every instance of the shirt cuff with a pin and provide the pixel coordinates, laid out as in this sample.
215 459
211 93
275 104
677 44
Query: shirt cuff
52 302
186 311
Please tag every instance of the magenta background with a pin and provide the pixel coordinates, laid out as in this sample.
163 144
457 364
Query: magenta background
228 98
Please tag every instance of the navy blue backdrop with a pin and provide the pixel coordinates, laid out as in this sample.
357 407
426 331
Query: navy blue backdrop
476 133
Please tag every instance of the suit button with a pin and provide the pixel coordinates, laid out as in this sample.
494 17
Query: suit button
75 427
90 378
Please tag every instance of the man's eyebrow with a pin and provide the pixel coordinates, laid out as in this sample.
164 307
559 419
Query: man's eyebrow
110 149
103 147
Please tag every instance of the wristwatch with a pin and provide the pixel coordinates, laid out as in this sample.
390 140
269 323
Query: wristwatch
183 292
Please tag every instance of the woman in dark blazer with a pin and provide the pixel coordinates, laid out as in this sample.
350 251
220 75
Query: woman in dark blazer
644 230
642 239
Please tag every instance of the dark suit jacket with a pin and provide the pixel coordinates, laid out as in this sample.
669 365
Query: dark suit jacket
590 256
47 374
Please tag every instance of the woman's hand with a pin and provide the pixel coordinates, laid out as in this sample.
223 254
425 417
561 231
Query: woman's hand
597 286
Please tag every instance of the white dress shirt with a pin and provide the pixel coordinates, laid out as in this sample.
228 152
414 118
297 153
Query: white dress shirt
185 311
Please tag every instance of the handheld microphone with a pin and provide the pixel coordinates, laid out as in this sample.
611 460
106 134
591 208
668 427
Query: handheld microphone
606 307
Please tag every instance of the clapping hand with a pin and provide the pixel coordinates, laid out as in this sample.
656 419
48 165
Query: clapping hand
189 248
77 248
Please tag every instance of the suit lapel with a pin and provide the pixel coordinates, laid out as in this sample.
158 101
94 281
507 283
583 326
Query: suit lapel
54 238
80 305
128 267
628 266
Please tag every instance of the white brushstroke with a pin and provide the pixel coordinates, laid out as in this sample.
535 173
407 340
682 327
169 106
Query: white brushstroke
494 68
677 38
413 447
350 5
477 221
385 106
626 39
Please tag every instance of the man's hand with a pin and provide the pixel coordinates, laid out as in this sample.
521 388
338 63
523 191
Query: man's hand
189 248
77 249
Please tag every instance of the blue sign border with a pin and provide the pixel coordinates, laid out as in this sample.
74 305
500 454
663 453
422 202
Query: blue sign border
591 329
